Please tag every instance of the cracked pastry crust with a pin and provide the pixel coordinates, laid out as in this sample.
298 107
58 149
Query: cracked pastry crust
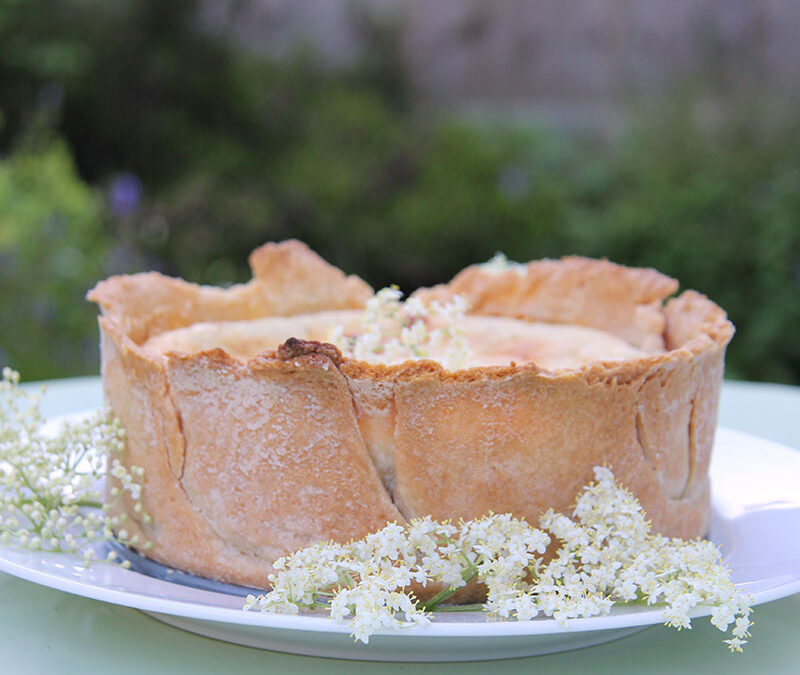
247 458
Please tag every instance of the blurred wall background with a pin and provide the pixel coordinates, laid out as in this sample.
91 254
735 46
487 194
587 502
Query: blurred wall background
575 65
402 140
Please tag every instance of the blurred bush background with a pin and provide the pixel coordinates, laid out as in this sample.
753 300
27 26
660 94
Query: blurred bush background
178 136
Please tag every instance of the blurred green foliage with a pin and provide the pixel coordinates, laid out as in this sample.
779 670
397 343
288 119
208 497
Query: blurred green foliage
204 152
53 244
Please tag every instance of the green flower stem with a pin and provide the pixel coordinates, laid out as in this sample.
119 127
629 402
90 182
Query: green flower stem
85 503
476 607
468 575
28 484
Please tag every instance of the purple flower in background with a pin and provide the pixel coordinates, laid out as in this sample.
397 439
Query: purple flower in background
125 195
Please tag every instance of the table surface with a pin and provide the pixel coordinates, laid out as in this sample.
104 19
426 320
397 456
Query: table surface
48 631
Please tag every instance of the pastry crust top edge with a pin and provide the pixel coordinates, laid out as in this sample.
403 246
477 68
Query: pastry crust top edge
290 279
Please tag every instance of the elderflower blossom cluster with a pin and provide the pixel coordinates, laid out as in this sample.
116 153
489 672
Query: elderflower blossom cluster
499 263
607 554
394 331
50 492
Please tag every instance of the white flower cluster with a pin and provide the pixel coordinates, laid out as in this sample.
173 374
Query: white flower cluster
610 551
394 331
607 555
499 263
50 496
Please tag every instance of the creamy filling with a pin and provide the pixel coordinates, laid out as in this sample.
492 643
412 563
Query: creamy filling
492 341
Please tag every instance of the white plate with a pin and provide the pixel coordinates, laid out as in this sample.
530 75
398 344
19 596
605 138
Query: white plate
755 521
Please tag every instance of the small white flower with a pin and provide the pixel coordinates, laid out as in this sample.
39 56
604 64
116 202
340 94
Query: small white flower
47 481
499 263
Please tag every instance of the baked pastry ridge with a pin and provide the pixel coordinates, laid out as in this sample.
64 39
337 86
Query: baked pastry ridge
248 458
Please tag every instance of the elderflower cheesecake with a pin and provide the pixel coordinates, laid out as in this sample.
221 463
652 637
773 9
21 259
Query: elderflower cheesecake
302 407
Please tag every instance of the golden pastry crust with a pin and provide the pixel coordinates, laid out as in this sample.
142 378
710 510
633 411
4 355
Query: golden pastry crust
623 301
248 458
288 278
